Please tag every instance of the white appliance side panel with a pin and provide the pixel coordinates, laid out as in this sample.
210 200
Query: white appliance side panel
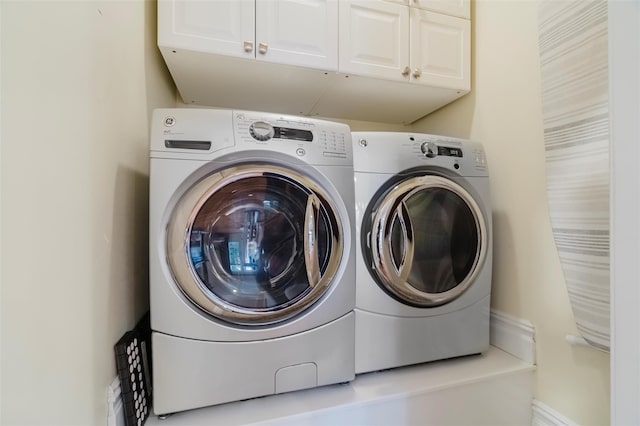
384 341
191 373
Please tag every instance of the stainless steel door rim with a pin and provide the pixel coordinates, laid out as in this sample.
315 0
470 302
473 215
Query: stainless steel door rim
393 273
318 280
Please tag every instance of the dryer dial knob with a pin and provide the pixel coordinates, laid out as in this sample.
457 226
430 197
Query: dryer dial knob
261 131
429 149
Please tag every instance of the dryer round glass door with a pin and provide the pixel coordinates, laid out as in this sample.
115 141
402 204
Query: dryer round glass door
254 244
426 240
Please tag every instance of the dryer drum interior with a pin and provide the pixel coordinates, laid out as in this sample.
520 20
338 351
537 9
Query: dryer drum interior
254 244
426 240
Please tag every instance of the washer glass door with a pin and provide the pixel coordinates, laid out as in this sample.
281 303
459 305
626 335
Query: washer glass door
254 244
426 240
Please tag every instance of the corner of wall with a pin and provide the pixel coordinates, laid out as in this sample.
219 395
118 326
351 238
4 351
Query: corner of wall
544 415
513 335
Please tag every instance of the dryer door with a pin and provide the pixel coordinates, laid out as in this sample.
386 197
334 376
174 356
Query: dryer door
254 244
427 240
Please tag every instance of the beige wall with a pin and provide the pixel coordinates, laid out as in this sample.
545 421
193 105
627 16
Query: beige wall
78 81
504 112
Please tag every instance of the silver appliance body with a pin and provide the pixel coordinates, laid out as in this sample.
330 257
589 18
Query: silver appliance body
251 255
423 250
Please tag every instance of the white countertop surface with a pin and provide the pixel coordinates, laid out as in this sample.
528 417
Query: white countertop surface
365 389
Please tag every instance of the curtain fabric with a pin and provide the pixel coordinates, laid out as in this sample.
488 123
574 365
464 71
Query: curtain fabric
574 70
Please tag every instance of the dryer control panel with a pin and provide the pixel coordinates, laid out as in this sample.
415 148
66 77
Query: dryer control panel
388 152
433 147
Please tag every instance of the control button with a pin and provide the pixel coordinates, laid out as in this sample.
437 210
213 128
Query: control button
363 142
301 152
169 121
261 131
456 166
429 149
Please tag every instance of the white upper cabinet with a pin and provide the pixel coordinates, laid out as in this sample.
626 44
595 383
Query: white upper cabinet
390 40
374 39
294 32
389 61
222 26
298 32
440 50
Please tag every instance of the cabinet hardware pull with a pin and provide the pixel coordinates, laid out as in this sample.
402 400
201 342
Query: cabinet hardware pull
262 48
406 71
248 46
417 73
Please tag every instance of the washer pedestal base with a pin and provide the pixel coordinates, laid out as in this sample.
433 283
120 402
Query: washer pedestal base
384 341
194 373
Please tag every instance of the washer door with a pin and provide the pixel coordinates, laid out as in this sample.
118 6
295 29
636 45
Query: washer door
426 240
254 244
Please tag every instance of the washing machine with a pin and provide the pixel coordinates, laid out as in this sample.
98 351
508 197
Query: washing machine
252 272
423 250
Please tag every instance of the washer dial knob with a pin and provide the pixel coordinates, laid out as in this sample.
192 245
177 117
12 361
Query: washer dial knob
261 131
429 149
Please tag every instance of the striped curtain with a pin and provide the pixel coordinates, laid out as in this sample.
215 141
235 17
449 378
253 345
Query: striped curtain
574 66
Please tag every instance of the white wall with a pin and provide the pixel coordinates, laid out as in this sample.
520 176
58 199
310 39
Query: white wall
78 82
504 112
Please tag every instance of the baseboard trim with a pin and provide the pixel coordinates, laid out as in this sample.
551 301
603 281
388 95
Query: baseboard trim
513 335
115 405
543 415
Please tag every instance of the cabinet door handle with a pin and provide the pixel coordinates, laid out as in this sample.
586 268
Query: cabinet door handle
406 71
248 46
417 73
262 48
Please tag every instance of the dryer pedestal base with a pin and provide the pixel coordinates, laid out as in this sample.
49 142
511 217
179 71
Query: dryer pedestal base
384 341
193 373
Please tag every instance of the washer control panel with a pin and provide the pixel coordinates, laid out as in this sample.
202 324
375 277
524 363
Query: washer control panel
300 136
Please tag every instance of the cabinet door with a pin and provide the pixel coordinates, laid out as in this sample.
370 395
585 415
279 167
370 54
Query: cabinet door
374 39
298 32
224 27
440 50
459 8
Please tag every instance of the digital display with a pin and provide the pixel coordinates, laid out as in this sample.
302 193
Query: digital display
295 134
449 152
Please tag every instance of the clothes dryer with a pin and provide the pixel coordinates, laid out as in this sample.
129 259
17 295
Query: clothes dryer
423 251
251 255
